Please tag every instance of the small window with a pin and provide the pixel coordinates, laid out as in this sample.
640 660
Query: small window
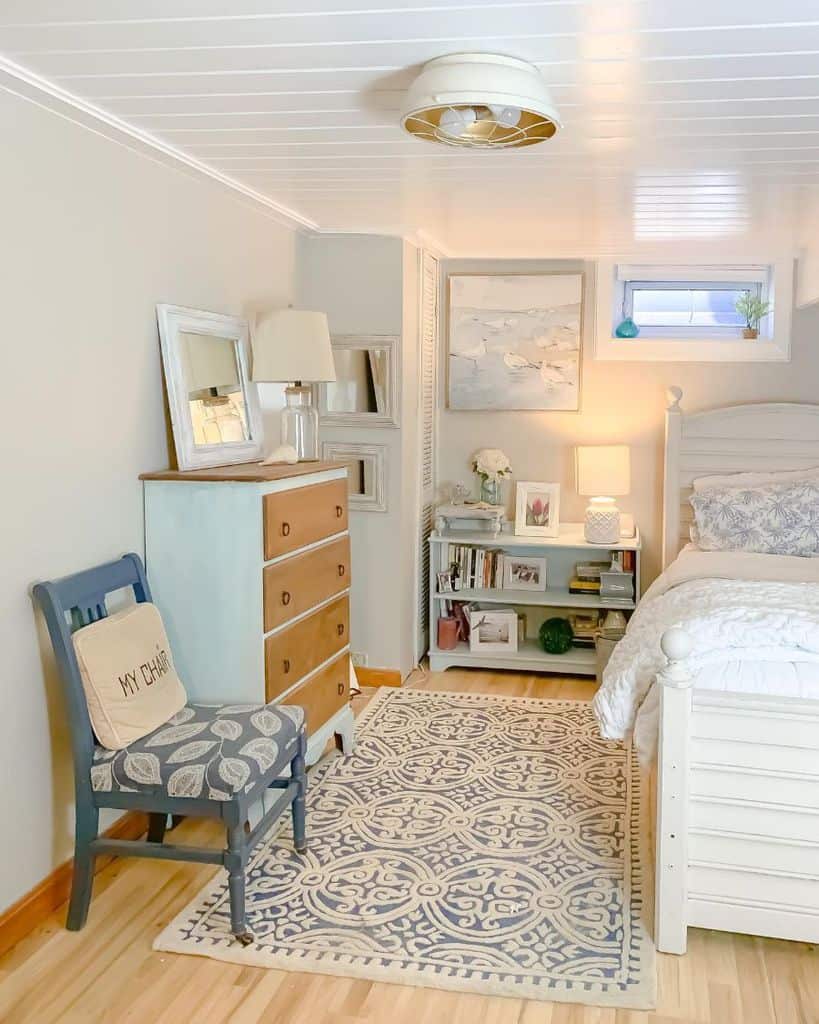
687 308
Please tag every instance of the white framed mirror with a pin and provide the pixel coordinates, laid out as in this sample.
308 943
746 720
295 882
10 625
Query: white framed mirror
366 473
214 407
365 391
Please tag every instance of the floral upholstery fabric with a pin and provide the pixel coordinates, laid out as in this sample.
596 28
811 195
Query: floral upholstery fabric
775 519
211 752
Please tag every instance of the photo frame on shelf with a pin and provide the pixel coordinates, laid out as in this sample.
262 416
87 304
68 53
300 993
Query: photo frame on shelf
365 391
366 472
493 629
524 572
537 509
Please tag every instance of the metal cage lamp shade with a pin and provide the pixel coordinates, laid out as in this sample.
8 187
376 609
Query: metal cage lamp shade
292 346
480 101
603 473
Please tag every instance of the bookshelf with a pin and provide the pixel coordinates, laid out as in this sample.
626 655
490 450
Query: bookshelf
562 553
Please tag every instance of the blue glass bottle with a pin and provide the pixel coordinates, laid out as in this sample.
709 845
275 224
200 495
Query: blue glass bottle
627 329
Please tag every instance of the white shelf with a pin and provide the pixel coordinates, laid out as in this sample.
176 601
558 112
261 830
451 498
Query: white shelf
529 658
553 598
570 536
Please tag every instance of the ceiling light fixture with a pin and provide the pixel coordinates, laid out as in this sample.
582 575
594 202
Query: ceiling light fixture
480 101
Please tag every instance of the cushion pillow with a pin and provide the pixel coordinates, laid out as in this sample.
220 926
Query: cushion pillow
128 674
702 483
775 519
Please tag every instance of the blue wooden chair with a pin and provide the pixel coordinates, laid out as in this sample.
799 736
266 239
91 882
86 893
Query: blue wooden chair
78 600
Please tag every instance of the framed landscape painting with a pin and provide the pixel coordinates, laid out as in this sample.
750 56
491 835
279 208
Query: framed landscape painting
514 341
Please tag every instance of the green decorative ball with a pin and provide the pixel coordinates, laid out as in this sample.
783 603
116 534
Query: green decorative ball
555 636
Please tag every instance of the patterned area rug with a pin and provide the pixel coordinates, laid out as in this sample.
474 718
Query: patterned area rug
473 842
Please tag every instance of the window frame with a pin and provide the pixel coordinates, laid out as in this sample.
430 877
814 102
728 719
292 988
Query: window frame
773 345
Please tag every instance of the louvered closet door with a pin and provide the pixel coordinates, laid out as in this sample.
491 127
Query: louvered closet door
428 362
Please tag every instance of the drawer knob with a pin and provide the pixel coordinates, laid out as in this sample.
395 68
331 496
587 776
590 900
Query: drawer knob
285 529
341 689
341 570
285 597
339 511
340 629
286 665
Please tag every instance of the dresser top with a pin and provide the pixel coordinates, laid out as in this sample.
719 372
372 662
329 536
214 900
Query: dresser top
246 472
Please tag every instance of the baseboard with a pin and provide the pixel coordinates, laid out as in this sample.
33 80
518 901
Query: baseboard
378 676
35 906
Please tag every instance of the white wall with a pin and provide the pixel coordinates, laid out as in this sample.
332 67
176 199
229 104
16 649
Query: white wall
365 285
93 236
807 274
620 402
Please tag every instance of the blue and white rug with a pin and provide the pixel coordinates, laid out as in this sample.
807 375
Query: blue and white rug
472 842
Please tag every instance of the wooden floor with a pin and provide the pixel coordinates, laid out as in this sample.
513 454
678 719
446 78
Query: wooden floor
108 972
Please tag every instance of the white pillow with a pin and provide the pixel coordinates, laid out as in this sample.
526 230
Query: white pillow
702 483
128 675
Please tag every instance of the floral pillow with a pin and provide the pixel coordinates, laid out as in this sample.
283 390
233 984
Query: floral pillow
775 519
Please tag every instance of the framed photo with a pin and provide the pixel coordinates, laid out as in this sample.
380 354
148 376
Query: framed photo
537 509
524 572
493 629
514 340
445 583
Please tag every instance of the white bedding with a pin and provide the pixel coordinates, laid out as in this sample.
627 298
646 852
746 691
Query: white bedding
754 623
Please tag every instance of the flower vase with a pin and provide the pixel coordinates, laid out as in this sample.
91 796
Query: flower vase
491 491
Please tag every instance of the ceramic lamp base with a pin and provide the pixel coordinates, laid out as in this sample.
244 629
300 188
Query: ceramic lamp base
602 524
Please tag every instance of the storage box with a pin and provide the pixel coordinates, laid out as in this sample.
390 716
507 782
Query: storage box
492 628
617 586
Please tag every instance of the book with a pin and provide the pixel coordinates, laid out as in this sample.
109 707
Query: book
578 586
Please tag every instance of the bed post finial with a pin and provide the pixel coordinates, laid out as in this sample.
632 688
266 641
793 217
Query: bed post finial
674 396
676 645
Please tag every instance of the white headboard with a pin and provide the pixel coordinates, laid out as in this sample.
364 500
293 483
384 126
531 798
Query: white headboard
732 439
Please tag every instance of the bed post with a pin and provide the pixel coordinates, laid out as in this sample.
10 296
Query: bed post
671 862
671 478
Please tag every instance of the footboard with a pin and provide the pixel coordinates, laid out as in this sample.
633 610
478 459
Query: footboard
737 810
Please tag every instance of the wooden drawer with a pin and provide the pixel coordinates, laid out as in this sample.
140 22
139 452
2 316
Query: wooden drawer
323 695
299 648
293 519
297 584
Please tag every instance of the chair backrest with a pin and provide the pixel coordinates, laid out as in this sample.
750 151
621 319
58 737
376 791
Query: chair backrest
69 604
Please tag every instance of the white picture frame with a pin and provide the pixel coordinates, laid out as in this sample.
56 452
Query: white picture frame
370 462
493 630
528 514
380 372
176 326
516 576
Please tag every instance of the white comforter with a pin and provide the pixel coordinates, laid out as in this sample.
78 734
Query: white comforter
735 607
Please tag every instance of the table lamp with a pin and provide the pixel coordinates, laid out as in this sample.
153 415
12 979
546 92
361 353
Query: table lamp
603 473
292 346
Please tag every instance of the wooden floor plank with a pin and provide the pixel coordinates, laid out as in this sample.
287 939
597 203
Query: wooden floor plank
109 973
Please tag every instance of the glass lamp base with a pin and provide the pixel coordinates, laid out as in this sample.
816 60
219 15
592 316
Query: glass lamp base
602 525
300 423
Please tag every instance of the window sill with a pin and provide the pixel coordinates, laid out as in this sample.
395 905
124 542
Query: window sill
686 350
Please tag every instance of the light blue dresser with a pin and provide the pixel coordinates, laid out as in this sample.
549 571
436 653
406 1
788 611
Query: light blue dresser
250 567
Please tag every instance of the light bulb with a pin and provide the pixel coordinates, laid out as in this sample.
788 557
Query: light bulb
457 121
508 116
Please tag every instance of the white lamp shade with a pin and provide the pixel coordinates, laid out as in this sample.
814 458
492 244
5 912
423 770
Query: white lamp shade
603 470
292 344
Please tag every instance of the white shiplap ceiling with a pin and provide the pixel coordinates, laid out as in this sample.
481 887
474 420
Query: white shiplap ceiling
683 119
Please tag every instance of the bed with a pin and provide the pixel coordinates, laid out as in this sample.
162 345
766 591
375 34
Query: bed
737 730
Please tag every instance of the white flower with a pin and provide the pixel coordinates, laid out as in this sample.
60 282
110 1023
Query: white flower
491 464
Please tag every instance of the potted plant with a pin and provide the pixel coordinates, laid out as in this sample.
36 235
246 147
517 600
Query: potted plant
754 310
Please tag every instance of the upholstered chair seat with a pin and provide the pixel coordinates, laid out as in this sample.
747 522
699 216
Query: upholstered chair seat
206 751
